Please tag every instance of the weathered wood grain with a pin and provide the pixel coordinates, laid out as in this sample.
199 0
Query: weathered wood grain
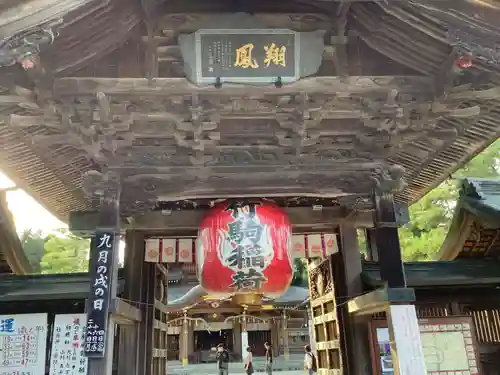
180 86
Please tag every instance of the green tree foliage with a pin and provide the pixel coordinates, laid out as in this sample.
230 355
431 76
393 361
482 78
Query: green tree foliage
65 253
33 242
431 216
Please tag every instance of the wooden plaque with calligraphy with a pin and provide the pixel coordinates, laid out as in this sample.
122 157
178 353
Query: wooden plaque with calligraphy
260 55
237 49
449 346
101 272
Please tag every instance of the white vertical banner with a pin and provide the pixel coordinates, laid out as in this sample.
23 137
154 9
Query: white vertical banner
299 246
330 241
152 250
314 246
312 340
168 250
405 331
23 344
68 339
185 250
244 344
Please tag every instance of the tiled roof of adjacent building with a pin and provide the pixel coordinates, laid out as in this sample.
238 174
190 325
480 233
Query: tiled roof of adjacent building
475 229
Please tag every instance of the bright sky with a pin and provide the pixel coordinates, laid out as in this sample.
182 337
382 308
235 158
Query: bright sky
28 214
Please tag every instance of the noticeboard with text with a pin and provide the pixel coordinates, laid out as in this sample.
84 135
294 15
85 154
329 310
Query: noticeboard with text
68 341
23 341
258 55
448 343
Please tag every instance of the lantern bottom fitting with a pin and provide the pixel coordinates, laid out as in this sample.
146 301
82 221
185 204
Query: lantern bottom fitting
247 299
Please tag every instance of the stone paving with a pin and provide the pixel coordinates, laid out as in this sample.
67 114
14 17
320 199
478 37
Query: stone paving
214 372
293 366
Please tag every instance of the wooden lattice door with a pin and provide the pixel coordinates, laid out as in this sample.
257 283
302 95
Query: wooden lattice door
324 317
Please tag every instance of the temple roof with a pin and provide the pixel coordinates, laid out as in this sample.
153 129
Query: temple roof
107 100
441 273
475 228
293 294
76 286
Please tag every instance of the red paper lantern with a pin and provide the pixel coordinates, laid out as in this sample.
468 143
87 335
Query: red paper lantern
244 247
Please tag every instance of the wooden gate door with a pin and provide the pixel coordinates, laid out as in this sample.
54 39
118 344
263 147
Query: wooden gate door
324 316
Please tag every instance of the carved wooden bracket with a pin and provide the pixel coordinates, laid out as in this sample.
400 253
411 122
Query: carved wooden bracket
389 180
97 185
25 46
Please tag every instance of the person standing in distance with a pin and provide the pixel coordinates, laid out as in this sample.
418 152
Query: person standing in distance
269 358
310 363
249 362
222 358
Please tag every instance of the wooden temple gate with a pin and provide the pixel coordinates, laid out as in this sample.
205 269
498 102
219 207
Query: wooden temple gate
439 299
329 281
135 118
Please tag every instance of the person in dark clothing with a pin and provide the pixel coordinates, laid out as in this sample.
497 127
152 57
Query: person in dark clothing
310 362
222 358
269 358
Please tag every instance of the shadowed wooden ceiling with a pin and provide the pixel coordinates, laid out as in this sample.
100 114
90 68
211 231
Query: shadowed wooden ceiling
402 83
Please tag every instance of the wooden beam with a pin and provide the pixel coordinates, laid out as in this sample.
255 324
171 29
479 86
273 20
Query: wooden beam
304 219
145 340
390 258
356 353
124 313
181 86
380 300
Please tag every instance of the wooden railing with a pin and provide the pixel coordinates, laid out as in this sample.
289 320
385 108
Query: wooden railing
487 324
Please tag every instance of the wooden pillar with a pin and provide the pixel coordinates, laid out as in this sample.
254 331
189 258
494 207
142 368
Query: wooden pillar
276 336
190 340
184 341
406 343
357 355
237 349
310 329
106 239
146 327
284 334
371 244
389 250
133 268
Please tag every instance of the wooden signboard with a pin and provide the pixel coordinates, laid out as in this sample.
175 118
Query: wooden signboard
250 54
236 48
100 294
449 346
68 341
23 343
